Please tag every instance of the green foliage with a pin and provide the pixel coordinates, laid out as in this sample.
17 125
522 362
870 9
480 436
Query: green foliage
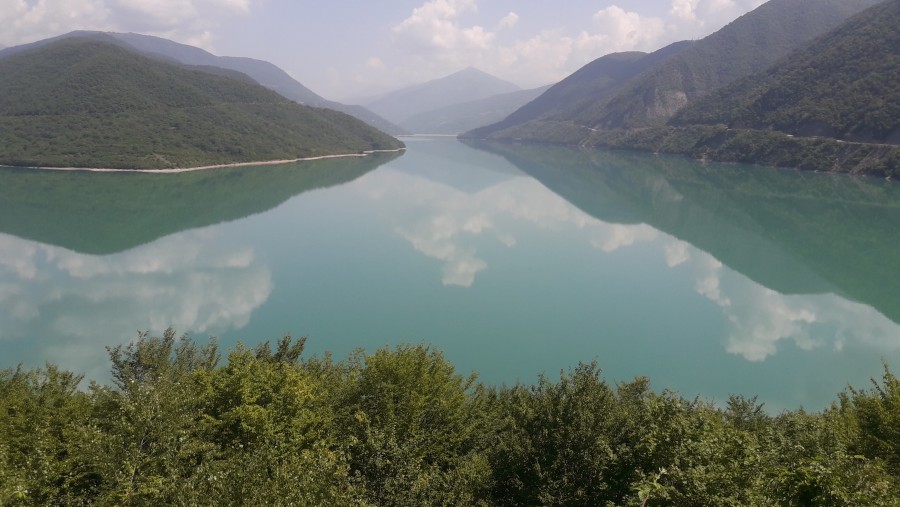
85 103
400 427
409 425
43 419
878 418
575 442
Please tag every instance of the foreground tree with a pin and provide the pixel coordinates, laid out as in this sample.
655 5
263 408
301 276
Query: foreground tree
400 427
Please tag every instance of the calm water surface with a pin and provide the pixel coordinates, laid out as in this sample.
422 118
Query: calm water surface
513 260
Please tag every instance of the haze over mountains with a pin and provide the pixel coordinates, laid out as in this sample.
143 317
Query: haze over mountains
611 103
263 72
458 118
424 107
86 103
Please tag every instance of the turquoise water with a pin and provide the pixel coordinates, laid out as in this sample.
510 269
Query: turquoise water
513 260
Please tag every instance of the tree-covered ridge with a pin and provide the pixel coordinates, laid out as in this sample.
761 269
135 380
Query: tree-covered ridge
844 85
259 71
401 427
832 105
747 45
673 77
590 85
86 103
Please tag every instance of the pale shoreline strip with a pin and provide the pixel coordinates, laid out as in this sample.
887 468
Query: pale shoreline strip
204 167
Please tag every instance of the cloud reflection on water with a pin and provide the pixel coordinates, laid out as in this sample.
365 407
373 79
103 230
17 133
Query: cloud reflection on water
189 281
443 223
760 318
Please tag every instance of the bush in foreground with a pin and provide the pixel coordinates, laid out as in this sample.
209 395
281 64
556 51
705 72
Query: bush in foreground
401 427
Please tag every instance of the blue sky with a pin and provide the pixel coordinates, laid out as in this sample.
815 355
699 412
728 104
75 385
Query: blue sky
351 48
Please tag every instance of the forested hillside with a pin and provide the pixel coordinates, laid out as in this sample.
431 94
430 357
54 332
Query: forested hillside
844 85
747 45
261 72
86 103
831 104
402 427
592 84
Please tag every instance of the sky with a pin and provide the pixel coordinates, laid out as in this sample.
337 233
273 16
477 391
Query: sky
350 49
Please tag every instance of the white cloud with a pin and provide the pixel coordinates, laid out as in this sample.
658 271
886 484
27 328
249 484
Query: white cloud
677 253
187 280
444 223
760 319
623 31
616 236
374 63
684 9
435 24
189 21
508 21
156 13
442 36
698 18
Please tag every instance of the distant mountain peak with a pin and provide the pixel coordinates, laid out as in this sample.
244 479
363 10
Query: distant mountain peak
466 85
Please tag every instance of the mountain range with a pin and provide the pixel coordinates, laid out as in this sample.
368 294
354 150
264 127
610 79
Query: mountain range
84 102
844 85
803 67
590 85
264 73
457 118
413 103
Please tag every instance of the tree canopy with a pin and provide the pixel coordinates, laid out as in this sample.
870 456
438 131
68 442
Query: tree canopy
401 427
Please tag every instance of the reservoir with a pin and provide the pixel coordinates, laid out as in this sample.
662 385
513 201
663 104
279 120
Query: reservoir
514 260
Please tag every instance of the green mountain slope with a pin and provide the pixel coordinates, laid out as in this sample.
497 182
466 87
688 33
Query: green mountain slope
260 71
464 86
844 85
79 102
105 213
747 45
592 84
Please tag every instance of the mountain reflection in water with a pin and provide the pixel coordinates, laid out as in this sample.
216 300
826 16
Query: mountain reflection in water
513 260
